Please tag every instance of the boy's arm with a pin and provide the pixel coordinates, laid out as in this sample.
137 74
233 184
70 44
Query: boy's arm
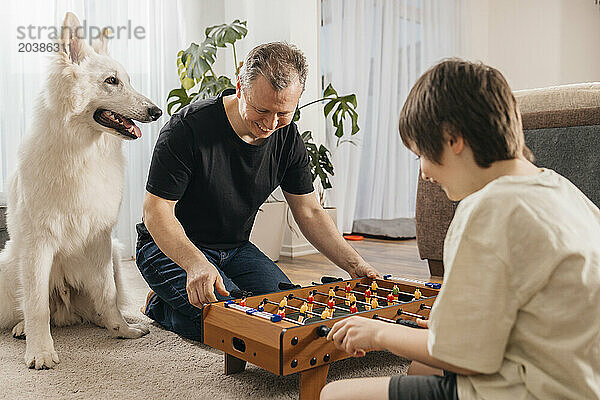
358 335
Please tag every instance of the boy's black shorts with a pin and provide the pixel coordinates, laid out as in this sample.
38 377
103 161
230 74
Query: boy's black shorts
415 387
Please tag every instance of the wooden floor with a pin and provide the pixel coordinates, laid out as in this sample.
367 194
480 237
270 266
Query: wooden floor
396 257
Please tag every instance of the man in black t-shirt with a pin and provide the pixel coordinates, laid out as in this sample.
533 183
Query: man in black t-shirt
215 162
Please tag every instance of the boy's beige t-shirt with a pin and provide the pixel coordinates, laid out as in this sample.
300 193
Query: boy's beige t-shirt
520 302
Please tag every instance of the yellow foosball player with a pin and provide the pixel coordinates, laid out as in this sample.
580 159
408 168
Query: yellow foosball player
374 288
282 306
418 294
303 310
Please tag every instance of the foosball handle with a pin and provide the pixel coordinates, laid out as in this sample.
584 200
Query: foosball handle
288 286
330 279
238 294
409 323
322 330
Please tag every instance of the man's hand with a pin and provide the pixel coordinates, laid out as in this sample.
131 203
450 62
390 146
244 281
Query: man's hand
201 282
357 335
364 269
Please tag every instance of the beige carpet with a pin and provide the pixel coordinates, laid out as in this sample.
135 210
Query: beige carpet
161 365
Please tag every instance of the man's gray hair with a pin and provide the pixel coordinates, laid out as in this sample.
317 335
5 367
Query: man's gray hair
279 62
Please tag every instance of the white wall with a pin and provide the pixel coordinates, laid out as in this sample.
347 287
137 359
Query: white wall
296 22
536 43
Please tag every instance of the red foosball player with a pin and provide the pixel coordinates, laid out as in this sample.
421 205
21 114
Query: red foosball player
374 303
396 293
374 288
330 305
243 302
390 298
348 289
417 294
303 310
310 299
368 299
353 308
282 306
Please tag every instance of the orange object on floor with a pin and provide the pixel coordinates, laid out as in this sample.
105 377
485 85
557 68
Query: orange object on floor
353 237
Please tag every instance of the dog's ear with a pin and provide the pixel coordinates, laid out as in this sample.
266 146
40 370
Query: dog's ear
101 44
72 39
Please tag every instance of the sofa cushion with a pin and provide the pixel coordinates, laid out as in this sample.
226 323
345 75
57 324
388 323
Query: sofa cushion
572 152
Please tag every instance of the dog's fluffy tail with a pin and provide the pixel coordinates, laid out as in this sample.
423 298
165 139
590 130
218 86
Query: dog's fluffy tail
10 312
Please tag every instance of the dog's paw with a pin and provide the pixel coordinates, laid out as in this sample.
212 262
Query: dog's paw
132 331
41 358
18 331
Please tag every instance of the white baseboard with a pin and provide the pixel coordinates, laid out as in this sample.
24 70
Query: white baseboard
298 250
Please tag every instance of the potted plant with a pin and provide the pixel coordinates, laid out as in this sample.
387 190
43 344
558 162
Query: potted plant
199 81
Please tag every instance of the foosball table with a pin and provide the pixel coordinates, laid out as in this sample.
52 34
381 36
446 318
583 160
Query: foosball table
285 332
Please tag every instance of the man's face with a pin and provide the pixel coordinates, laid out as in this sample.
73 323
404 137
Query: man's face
264 110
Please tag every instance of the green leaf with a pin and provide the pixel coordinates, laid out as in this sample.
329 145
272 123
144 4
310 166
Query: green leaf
296 115
330 91
211 86
198 59
181 99
227 33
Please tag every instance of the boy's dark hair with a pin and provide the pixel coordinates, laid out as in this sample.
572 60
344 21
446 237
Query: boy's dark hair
468 99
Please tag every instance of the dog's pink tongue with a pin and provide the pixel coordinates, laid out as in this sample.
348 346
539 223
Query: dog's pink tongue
137 131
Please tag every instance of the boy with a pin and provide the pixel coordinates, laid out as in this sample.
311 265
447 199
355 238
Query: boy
517 316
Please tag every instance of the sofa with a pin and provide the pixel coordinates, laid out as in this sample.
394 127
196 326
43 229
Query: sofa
562 128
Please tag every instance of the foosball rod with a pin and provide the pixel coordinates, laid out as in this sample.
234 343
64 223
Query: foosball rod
337 289
400 312
288 306
317 302
399 321
425 307
388 290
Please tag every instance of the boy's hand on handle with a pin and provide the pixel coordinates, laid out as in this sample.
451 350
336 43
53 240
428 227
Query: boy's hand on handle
202 280
356 335
423 323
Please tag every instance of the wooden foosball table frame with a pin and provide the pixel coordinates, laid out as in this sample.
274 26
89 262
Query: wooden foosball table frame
286 347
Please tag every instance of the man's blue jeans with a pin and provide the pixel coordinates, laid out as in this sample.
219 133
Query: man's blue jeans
244 267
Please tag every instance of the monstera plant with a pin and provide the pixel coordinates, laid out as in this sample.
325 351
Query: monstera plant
199 81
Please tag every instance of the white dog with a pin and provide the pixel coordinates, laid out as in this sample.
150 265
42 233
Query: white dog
60 263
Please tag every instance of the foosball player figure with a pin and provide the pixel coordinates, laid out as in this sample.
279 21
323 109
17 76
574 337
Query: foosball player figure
353 308
331 293
261 305
310 299
417 294
330 305
374 288
243 302
368 299
282 306
348 290
390 298
396 293
352 298
325 314
303 310
374 303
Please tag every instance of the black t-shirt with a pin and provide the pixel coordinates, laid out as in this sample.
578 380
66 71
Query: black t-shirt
218 180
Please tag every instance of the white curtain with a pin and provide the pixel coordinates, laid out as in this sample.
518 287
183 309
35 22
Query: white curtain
150 62
377 49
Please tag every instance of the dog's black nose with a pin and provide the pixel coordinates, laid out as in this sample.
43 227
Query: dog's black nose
154 113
